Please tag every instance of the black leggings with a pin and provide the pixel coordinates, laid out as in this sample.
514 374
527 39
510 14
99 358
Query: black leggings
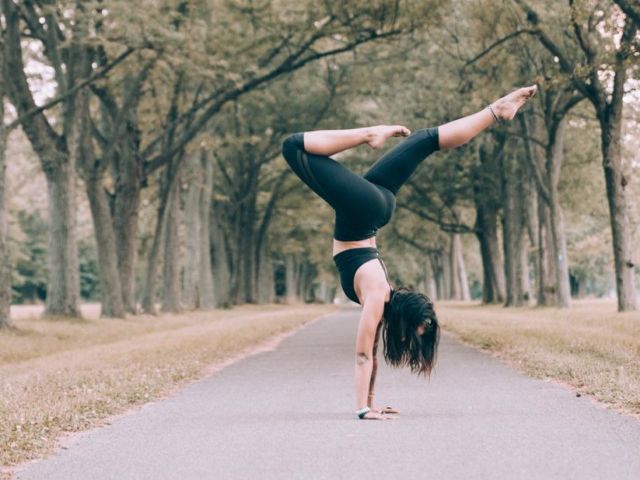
362 204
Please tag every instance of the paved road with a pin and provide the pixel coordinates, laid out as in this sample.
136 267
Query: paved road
288 414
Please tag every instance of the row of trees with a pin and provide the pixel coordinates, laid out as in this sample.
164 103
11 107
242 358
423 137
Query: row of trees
139 89
171 115
584 56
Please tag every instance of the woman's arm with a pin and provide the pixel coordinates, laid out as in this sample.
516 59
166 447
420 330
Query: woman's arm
370 318
374 369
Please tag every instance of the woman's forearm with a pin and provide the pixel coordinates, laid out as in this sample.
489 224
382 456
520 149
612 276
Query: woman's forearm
374 368
363 369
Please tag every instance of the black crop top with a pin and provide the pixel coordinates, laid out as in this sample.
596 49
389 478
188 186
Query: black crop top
348 263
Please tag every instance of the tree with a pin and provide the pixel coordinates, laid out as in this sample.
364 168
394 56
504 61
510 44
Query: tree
592 34
555 104
5 267
42 23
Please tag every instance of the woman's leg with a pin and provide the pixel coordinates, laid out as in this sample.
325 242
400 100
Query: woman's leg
341 188
394 168
459 132
330 142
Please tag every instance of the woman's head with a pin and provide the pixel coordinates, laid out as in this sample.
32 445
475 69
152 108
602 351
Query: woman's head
411 331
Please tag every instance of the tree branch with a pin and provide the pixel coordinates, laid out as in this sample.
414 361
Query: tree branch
632 12
250 85
497 43
63 96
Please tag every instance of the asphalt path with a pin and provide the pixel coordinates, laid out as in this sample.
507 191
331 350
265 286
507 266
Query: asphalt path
289 414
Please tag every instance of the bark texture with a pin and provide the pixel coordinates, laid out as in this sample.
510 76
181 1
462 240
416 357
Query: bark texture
513 231
171 301
5 267
486 188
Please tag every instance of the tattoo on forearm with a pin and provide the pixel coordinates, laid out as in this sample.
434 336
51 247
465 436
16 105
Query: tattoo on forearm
362 358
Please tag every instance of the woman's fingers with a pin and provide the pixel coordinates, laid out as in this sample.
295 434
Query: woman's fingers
385 410
373 415
389 410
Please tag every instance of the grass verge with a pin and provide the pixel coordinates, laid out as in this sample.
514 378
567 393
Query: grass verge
67 375
591 347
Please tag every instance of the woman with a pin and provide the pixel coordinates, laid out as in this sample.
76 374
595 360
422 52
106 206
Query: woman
407 319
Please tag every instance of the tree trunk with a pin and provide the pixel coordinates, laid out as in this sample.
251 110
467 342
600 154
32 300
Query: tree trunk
461 271
206 293
266 290
63 285
291 278
149 295
439 269
513 232
524 272
220 259
5 266
454 284
618 212
542 274
554 160
128 184
486 188
171 301
430 279
112 304
492 268
192 220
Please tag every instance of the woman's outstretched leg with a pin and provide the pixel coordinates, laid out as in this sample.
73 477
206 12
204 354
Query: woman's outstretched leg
459 132
330 142
395 167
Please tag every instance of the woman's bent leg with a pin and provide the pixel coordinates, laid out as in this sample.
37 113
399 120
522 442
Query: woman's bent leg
337 185
395 167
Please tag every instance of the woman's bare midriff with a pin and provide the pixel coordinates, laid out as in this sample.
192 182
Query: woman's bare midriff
340 246
373 277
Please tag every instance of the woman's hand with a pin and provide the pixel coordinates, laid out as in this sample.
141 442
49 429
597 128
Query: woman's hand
385 410
375 415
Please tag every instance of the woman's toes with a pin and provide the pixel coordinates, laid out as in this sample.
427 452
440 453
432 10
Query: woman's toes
507 107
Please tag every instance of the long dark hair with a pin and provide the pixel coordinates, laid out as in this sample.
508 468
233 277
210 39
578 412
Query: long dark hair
403 314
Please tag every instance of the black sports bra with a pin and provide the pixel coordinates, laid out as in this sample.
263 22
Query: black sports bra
348 263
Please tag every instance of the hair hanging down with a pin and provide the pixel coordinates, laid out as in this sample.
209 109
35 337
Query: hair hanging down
403 345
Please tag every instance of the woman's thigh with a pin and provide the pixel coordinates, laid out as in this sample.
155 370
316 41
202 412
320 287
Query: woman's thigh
345 191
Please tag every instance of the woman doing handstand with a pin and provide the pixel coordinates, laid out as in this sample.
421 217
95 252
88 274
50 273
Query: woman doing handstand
362 205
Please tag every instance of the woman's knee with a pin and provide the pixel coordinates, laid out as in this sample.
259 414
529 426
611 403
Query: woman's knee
291 145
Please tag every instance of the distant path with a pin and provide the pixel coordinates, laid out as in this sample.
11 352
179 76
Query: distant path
288 414
89 310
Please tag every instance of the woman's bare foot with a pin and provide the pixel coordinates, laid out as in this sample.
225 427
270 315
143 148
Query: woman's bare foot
507 107
380 133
